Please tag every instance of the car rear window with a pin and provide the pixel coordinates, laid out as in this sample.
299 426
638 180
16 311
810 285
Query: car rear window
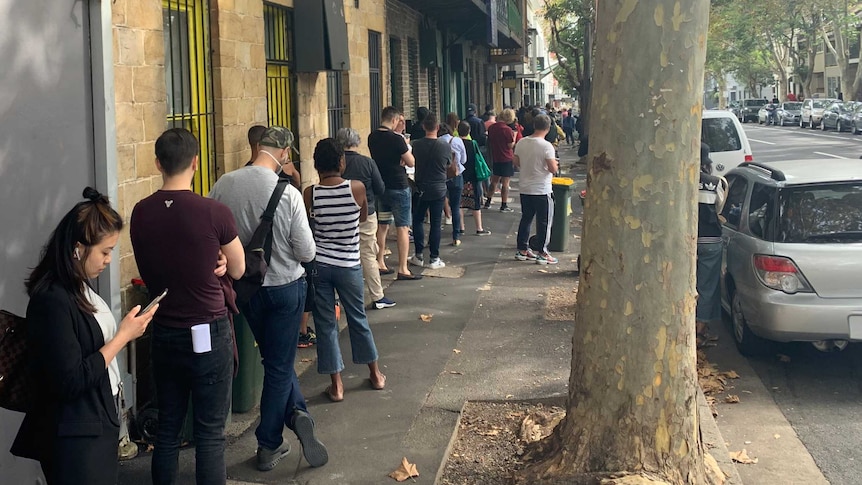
828 213
793 106
720 134
755 102
819 104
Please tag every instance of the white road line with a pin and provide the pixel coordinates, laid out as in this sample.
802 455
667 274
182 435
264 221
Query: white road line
850 138
830 155
761 141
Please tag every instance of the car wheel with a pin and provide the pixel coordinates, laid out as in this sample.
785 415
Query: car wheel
838 127
801 123
746 341
822 125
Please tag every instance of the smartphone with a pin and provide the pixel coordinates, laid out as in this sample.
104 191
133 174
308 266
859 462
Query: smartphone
153 303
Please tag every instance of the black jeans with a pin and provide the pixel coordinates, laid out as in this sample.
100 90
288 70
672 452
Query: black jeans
540 207
179 372
435 207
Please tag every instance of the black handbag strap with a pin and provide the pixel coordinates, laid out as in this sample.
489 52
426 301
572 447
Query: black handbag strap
269 215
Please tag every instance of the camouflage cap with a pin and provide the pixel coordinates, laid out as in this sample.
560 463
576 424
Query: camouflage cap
278 137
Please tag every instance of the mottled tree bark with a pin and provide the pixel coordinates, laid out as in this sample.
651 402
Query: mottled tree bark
631 404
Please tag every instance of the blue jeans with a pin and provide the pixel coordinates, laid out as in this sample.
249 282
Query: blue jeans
178 373
455 186
397 202
436 217
349 285
273 315
708 282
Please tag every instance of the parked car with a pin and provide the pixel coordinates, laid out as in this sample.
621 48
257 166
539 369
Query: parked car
857 119
763 115
750 107
727 141
792 235
789 113
812 111
839 116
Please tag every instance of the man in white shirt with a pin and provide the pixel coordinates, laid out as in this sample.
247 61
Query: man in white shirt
535 158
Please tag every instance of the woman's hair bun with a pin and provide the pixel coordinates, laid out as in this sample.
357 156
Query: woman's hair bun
94 195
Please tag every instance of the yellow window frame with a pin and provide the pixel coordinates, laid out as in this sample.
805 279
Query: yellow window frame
197 120
278 74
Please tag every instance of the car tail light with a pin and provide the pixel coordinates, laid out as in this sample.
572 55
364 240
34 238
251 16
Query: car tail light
749 158
781 274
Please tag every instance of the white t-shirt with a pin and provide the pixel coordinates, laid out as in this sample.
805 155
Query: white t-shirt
535 179
108 324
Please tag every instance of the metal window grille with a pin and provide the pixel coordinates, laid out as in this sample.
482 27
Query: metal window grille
395 71
433 94
280 82
375 64
413 74
188 79
335 100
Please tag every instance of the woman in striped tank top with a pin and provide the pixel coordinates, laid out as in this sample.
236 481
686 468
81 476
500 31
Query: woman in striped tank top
336 207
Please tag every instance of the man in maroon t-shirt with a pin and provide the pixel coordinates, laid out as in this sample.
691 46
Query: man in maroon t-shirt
501 141
177 237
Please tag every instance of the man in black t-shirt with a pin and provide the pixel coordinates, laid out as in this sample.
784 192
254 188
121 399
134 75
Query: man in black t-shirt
433 156
392 154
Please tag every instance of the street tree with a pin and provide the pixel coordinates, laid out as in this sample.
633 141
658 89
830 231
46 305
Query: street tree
840 29
572 30
632 391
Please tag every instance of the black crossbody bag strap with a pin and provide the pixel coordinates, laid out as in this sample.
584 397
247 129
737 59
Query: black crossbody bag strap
269 215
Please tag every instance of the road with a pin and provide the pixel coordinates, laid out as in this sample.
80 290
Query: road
819 394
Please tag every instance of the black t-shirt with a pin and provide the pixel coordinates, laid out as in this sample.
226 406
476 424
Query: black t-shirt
386 148
433 155
176 235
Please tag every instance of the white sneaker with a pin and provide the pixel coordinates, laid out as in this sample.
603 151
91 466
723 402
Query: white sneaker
448 221
436 263
416 261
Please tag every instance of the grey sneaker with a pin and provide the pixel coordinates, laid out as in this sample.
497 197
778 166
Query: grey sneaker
267 459
416 261
312 449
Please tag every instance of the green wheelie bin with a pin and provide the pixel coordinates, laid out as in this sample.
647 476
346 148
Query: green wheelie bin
248 382
562 189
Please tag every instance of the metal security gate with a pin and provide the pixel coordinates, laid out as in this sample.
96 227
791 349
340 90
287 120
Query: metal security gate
374 77
188 78
280 83
335 101
395 73
413 74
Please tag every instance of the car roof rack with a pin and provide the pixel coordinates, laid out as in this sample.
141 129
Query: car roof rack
774 173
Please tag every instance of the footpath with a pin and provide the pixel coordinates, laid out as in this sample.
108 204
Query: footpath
499 330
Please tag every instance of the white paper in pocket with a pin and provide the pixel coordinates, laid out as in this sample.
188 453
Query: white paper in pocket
201 340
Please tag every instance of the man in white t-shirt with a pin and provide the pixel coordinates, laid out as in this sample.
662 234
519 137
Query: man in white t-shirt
535 158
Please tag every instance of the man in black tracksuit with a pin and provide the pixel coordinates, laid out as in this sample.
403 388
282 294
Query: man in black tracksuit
477 126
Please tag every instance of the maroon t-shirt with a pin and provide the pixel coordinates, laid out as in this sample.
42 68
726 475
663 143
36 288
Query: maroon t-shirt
499 138
176 236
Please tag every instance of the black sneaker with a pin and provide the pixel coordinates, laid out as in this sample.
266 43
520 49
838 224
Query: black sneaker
483 232
506 208
487 203
308 339
312 449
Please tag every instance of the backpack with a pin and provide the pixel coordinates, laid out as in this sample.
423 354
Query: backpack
258 251
15 372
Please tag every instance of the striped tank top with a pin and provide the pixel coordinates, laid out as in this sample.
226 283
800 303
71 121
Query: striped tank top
336 225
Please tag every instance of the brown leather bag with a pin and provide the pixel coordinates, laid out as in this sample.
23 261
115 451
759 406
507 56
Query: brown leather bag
15 372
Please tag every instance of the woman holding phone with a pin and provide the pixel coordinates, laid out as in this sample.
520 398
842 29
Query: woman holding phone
73 425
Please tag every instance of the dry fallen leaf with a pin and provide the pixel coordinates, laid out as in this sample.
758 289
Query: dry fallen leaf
426 317
731 374
492 432
405 471
713 468
731 399
742 457
776 436
543 271
454 372
456 351
783 358
305 360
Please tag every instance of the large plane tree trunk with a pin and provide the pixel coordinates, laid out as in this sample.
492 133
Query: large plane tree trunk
631 403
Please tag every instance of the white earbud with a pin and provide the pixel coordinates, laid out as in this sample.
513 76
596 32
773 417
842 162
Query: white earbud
77 254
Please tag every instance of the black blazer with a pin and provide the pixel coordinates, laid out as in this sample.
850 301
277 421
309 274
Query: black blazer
72 390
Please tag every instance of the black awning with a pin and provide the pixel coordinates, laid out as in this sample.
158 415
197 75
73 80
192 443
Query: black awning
320 34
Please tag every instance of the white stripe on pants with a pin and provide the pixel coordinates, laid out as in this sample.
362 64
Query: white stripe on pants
368 256
540 208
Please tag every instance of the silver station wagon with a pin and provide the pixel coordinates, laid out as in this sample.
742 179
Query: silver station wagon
792 268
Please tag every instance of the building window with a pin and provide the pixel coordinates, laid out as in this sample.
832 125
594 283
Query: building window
188 79
413 72
832 87
395 71
375 64
278 47
335 100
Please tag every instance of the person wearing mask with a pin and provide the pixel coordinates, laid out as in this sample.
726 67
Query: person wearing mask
275 310
361 168
73 425
337 207
709 247
176 236
433 157
289 172
501 141
393 156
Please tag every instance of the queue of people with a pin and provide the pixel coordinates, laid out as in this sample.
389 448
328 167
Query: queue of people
189 249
